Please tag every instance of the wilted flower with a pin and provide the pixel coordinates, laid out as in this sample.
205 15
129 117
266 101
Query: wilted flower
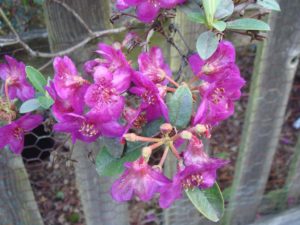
211 69
152 65
67 82
147 10
151 100
14 75
88 127
138 179
13 134
217 98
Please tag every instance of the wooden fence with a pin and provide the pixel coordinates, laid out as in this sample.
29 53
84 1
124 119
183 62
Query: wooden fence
275 67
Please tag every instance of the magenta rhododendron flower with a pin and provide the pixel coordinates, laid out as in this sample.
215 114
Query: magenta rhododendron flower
152 65
198 171
147 10
195 154
104 96
14 75
88 127
211 69
67 82
188 177
217 102
151 100
138 179
112 56
136 118
60 106
13 134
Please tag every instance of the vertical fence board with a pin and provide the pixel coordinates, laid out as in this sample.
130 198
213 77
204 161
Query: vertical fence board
64 31
17 202
275 66
293 181
94 191
182 211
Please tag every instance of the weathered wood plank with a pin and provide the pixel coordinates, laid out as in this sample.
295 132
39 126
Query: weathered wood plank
182 211
289 217
17 202
275 66
293 181
64 31
94 191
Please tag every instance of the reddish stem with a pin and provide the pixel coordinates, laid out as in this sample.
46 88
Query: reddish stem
172 81
175 152
164 157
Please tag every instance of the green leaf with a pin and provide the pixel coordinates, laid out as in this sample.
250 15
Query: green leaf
208 202
269 4
45 101
196 17
152 128
225 8
207 44
106 165
180 107
29 106
248 24
193 12
36 78
210 7
219 25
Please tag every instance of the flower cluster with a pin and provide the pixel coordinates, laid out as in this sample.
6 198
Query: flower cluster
218 84
16 88
221 86
116 99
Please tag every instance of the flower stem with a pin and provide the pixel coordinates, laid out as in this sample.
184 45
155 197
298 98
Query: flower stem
133 137
171 89
156 145
172 81
174 151
164 157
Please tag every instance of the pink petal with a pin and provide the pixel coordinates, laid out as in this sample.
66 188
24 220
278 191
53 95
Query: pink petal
4 71
196 63
102 75
112 129
64 66
122 189
25 92
147 11
29 122
122 79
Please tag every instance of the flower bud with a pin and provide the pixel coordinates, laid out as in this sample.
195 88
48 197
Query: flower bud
166 128
186 135
200 128
130 137
146 153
